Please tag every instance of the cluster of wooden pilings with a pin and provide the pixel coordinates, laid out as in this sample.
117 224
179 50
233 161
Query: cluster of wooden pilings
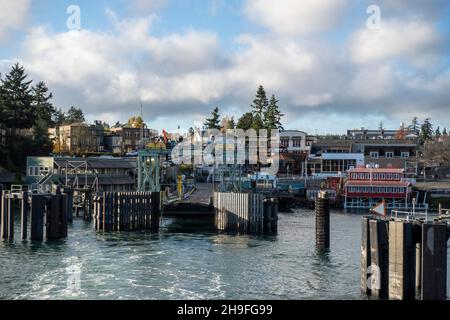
400 258
49 212
245 213
127 211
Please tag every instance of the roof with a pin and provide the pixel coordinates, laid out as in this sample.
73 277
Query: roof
377 183
100 163
102 179
377 170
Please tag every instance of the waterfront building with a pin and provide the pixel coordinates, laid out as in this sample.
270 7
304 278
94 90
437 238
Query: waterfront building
368 186
97 173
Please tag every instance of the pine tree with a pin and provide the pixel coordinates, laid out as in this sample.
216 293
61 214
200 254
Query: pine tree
41 102
257 122
214 121
74 115
426 132
272 117
414 126
59 118
260 104
231 123
444 132
17 109
437 134
245 122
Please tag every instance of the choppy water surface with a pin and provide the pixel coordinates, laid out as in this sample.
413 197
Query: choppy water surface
176 264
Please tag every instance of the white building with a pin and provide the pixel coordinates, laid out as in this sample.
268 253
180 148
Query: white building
294 141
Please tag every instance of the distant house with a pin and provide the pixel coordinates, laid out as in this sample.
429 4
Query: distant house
78 138
131 138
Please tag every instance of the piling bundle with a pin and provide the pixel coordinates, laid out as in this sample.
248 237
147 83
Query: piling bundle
398 257
127 211
46 212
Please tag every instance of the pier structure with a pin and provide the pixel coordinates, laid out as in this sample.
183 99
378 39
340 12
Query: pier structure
48 214
401 257
127 211
245 213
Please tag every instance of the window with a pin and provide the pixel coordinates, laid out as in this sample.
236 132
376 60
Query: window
405 155
389 155
297 142
35 171
285 142
374 154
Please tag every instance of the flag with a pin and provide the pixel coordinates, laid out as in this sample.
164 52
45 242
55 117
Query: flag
165 136
380 209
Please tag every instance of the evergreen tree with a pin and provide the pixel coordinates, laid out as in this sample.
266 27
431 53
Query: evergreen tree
17 110
272 117
74 115
214 121
245 122
426 132
444 132
41 103
257 122
414 126
231 123
381 126
259 106
59 118
437 134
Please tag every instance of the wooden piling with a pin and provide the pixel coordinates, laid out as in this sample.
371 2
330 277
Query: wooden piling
4 216
434 261
24 215
418 266
64 205
365 255
52 230
379 257
401 261
322 221
37 217
11 208
155 212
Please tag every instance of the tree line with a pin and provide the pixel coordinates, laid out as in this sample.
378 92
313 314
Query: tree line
265 114
26 114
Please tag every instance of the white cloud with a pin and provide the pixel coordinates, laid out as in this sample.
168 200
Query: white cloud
185 74
117 69
148 6
293 17
410 39
13 15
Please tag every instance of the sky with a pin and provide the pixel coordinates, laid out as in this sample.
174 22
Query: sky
332 64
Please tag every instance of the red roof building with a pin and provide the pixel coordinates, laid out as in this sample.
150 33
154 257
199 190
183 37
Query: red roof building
368 186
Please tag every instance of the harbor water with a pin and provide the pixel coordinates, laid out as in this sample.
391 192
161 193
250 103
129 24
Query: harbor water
183 262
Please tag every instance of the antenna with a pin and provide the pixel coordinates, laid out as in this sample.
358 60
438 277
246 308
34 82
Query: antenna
142 128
